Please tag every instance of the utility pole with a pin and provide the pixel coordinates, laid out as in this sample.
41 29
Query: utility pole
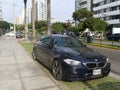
26 36
48 16
33 21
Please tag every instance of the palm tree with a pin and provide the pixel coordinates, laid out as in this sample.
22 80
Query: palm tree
48 16
26 28
33 21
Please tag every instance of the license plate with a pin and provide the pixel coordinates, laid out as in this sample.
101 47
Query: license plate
97 72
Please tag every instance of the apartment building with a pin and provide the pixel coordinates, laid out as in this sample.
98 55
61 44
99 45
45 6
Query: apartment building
108 10
41 9
1 19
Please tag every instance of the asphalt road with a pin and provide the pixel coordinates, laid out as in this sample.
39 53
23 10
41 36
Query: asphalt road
113 55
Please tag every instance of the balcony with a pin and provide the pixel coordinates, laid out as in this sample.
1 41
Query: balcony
96 1
117 3
115 21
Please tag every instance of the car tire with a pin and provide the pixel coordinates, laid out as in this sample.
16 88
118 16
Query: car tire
34 56
57 70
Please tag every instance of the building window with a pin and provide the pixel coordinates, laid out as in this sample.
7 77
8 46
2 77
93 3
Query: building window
113 0
83 3
114 17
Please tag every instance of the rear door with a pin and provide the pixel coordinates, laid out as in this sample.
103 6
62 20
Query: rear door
45 51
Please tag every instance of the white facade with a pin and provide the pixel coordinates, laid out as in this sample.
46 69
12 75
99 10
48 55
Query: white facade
108 10
1 19
79 4
22 17
28 16
18 20
28 13
41 10
0 9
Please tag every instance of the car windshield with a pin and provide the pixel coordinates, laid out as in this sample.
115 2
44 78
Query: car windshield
67 42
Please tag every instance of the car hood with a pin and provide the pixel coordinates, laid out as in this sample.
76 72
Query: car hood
83 52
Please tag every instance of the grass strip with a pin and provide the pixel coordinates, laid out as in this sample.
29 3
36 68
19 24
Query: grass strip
105 83
28 47
105 46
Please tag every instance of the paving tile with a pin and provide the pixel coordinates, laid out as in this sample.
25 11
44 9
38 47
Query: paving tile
8 67
11 84
20 53
38 83
7 60
7 53
30 70
52 88
24 59
9 75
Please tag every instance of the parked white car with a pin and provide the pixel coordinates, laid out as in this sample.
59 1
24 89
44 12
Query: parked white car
10 34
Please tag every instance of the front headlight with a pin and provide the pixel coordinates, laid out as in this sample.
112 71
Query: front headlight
108 60
72 62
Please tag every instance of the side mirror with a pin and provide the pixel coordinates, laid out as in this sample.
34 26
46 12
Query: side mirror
49 45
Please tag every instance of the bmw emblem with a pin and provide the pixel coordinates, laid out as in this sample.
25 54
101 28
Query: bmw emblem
96 60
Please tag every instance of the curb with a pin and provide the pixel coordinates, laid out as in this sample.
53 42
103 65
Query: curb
115 76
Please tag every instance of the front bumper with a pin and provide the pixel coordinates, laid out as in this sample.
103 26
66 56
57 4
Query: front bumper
82 73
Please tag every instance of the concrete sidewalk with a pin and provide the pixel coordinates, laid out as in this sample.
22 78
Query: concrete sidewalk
18 71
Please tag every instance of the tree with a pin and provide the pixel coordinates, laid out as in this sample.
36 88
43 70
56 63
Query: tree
4 25
81 14
39 26
57 27
42 29
30 26
94 24
20 27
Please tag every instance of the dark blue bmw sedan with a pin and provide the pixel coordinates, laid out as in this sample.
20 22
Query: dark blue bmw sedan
69 59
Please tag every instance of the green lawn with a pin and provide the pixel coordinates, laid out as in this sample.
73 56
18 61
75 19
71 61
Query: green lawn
27 46
105 83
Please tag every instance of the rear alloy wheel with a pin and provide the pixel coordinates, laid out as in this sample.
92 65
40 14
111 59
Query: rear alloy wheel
57 70
34 56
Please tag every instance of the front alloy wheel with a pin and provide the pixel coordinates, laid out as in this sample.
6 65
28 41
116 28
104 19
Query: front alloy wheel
57 70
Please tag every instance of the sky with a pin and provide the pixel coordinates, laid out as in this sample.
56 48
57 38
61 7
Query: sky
60 9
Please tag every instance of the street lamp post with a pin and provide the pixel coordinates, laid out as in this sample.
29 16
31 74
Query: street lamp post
26 37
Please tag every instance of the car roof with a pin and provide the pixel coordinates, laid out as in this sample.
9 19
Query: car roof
55 35
59 35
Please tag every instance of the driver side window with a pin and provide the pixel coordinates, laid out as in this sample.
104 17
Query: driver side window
46 41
